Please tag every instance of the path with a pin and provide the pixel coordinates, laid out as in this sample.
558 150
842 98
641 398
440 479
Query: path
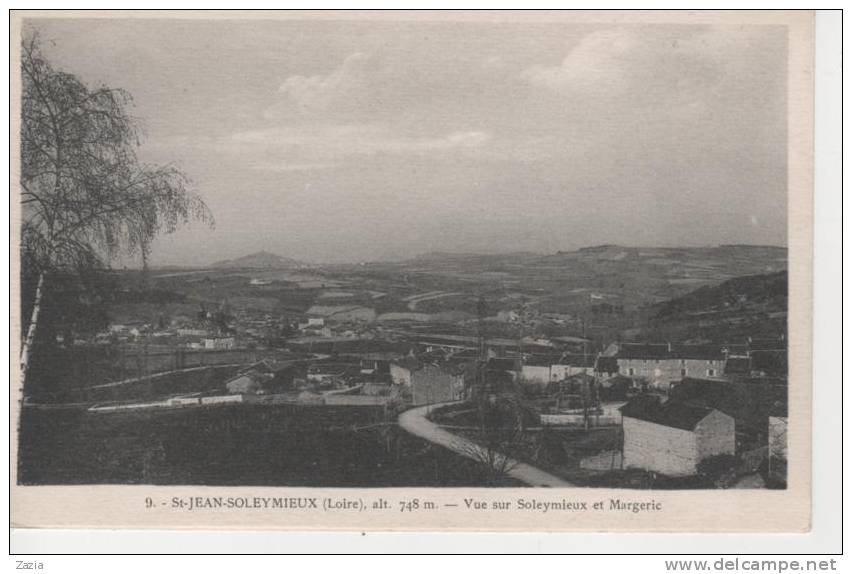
415 422
414 300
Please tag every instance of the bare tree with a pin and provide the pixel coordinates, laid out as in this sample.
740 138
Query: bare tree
498 438
85 196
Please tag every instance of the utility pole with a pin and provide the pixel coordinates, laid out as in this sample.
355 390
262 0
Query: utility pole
481 313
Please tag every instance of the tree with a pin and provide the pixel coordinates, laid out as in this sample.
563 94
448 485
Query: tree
85 196
501 420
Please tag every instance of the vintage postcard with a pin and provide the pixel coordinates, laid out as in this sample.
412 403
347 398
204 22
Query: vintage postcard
412 270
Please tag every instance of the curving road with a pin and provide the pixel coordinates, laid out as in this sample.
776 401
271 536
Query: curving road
416 422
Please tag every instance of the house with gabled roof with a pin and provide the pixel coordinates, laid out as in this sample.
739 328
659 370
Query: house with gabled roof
543 369
660 364
428 383
672 438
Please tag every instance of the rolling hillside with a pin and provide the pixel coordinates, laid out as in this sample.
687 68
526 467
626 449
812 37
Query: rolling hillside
259 260
753 305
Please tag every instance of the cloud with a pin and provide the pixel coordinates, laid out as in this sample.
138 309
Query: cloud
320 147
650 66
594 63
347 85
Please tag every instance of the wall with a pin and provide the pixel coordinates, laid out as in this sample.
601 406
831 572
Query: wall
559 372
535 374
580 420
715 435
658 448
778 437
663 371
433 385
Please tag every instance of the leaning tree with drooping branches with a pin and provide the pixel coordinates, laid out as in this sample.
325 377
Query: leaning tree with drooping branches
85 196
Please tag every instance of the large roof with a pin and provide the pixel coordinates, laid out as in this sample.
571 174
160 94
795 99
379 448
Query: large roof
769 362
500 364
541 360
662 351
578 360
673 414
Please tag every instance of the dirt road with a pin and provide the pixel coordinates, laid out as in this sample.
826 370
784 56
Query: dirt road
415 422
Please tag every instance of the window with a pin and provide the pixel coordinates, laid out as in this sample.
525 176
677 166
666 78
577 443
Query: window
711 362
683 361
630 371
711 372
683 372
657 361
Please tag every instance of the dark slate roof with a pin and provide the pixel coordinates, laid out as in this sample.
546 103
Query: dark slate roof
746 399
673 414
577 360
663 351
642 351
541 360
606 365
580 377
329 368
767 344
736 350
769 362
701 352
466 354
500 364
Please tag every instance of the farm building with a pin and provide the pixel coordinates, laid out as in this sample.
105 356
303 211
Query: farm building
220 343
673 437
661 364
542 369
248 382
749 400
537 369
427 383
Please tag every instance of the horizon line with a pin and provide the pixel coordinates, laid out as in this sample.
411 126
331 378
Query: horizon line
450 253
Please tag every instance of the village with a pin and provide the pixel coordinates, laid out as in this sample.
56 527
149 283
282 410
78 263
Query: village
667 408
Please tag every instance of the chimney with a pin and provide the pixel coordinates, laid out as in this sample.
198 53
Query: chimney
669 343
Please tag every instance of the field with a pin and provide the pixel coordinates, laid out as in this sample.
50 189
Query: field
237 445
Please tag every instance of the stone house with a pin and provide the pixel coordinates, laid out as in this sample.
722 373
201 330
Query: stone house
572 364
219 343
248 383
661 364
673 437
544 369
427 383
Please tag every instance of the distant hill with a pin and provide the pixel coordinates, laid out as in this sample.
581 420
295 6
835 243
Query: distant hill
760 293
259 260
732 311
438 256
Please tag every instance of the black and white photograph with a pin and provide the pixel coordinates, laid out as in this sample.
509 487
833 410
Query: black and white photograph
374 253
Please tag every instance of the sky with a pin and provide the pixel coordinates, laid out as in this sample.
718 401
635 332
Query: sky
345 141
